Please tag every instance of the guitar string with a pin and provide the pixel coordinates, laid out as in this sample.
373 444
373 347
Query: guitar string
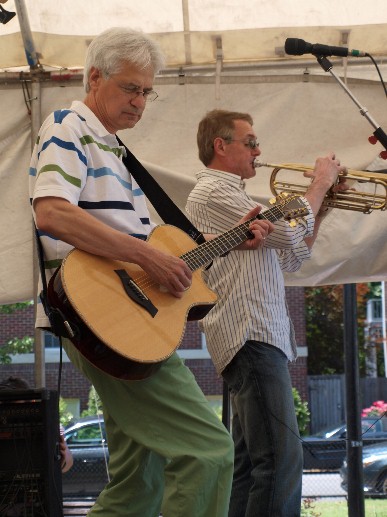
200 256
192 257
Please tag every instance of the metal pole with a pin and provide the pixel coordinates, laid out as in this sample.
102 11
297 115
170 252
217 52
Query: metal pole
354 437
40 359
33 61
378 133
29 47
226 419
384 331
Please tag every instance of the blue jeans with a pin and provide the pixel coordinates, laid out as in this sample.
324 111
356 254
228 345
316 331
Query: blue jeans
268 453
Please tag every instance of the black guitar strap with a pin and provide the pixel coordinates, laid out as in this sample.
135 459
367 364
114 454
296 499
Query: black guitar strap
162 203
58 323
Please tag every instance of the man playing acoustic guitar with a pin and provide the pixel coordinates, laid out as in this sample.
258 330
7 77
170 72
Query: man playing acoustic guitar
168 449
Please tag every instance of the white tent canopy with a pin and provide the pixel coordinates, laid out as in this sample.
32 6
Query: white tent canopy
188 29
219 54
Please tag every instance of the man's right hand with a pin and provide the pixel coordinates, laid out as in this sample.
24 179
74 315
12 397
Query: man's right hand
167 270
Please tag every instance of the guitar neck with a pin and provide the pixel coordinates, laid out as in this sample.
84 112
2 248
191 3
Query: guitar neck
205 253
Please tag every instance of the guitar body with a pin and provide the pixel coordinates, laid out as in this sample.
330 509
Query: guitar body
113 331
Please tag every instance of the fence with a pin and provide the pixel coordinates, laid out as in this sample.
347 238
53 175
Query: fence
327 398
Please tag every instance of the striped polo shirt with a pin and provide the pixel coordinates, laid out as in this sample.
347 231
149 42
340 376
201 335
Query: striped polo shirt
250 284
75 158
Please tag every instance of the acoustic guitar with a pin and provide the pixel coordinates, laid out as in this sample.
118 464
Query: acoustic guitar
126 324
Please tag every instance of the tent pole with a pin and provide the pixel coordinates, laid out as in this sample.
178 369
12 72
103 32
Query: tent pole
33 61
29 47
40 371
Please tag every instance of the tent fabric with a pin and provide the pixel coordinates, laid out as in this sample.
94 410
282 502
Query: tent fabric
299 113
188 29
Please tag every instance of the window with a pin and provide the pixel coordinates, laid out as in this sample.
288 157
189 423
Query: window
374 310
50 341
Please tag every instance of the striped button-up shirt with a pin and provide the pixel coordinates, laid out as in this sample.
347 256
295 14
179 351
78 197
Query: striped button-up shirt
250 284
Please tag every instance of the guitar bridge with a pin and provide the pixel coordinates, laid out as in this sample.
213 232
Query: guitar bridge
135 293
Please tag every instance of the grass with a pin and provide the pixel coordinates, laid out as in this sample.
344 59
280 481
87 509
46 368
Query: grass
321 508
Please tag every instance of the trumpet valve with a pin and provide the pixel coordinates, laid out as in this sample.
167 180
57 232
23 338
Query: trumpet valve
279 197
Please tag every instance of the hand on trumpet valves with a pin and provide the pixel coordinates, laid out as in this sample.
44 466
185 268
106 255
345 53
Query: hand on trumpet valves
328 170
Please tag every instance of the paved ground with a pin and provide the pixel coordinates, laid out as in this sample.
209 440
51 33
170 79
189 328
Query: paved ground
313 485
322 485
76 508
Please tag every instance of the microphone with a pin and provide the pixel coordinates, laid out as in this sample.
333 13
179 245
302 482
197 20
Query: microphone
298 47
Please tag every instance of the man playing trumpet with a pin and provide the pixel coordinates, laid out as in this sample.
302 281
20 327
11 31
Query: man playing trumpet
249 333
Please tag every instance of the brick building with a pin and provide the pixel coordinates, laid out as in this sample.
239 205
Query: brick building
75 388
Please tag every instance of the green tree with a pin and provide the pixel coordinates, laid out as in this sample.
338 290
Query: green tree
302 412
13 307
94 404
15 345
65 417
325 326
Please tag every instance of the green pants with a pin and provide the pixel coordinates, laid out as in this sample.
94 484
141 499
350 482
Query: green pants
168 450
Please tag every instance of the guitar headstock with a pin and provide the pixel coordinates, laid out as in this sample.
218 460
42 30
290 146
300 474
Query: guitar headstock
291 206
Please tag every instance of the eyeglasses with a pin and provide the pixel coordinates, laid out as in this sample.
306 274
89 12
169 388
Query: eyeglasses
251 142
133 92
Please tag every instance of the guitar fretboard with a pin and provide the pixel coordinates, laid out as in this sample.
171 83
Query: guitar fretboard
205 253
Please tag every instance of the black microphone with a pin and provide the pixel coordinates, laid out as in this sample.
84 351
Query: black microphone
298 47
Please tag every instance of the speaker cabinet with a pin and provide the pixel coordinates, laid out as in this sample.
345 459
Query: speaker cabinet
30 466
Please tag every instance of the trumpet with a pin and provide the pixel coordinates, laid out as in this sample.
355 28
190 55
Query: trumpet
357 200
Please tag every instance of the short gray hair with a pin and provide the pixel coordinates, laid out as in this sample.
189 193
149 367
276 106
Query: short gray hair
118 45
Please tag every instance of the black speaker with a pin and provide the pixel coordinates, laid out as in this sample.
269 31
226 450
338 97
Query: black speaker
30 466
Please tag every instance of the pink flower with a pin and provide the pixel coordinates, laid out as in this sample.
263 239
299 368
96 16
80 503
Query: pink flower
378 408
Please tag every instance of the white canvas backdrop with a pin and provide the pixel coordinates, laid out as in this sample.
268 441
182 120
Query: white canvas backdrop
300 113
187 29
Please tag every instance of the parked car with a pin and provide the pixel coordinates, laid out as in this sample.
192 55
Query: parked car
86 438
326 450
374 470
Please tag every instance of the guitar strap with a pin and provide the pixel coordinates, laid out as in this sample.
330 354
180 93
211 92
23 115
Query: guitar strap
58 322
162 203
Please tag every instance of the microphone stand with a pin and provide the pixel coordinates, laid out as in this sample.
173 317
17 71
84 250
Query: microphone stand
379 134
354 431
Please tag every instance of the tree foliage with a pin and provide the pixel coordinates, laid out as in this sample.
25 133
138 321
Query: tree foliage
325 326
94 404
16 345
13 307
65 417
302 412
24 345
